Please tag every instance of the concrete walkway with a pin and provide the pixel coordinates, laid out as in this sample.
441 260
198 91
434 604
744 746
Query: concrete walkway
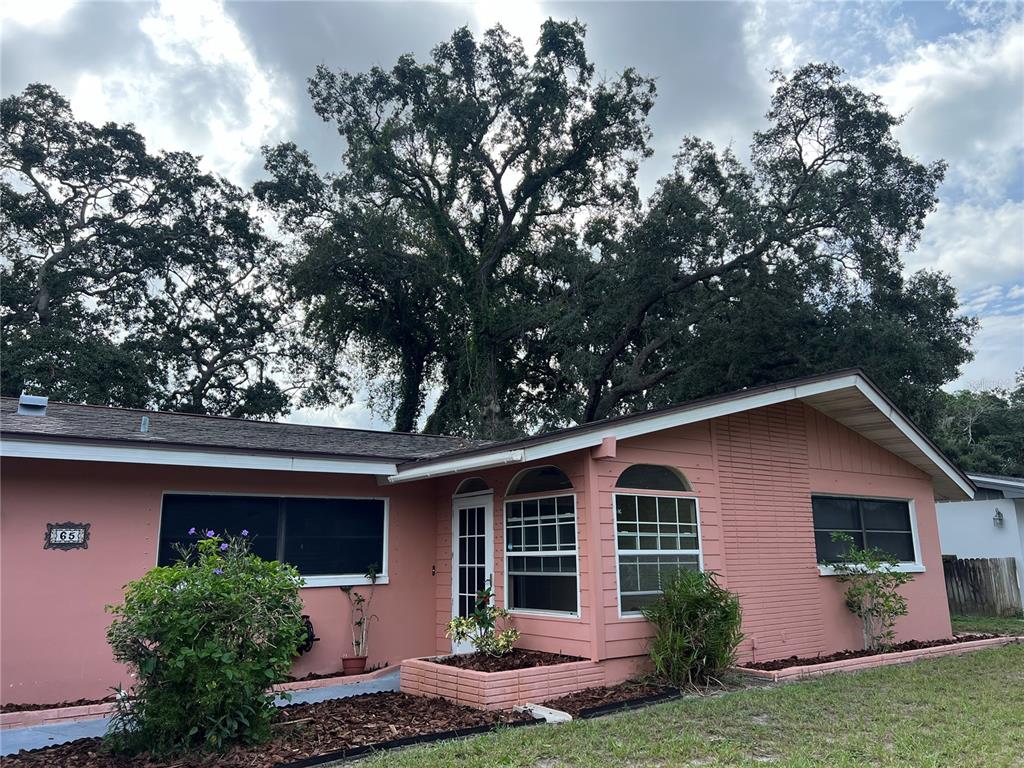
14 739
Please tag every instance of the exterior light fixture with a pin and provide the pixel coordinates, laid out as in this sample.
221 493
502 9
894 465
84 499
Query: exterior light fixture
997 519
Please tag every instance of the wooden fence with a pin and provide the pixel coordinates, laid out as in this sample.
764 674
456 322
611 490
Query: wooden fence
983 586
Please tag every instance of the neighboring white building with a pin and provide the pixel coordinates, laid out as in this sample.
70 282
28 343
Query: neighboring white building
990 526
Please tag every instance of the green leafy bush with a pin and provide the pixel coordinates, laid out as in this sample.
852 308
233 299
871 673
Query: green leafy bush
872 594
697 625
205 639
481 627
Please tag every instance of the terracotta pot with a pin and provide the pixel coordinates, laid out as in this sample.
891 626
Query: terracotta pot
353 665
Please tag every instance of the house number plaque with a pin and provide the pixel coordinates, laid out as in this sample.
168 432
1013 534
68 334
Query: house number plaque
66 536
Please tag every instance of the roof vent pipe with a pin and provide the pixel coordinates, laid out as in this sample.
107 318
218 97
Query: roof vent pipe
32 405
144 426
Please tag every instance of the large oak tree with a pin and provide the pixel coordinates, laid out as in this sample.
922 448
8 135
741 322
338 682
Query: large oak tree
134 278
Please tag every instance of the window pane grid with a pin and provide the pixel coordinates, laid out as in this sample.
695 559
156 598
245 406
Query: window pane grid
541 559
655 536
868 516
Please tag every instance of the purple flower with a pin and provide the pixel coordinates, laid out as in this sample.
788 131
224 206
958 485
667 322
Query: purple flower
218 571
224 547
192 531
245 531
211 533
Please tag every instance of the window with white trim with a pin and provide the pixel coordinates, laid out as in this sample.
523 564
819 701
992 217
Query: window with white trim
321 537
540 546
884 524
655 535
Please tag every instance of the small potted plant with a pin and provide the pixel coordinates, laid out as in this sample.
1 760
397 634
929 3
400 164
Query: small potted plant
360 618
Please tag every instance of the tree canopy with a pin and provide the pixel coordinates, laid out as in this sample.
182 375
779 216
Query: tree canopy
134 278
485 240
982 430
484 251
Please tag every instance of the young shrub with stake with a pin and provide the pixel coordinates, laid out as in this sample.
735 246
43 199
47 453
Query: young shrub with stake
872 595
697 628
206 638
481 627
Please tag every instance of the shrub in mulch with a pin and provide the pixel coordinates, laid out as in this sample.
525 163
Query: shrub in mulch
581 703
911 645
299 732
519 658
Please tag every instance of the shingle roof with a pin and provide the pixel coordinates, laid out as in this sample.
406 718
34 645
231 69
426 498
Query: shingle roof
67 421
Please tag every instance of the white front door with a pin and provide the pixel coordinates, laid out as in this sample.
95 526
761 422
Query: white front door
472 554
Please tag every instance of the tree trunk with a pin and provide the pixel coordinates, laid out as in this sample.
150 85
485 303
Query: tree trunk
410 390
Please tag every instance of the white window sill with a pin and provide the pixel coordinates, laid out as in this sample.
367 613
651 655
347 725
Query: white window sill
341 581
828 570
528 614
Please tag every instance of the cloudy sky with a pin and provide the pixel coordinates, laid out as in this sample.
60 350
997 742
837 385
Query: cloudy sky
221 79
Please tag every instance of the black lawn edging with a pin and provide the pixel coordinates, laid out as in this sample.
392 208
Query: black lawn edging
352 753
625 706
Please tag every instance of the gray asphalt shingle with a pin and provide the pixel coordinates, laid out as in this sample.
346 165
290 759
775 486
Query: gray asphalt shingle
90 422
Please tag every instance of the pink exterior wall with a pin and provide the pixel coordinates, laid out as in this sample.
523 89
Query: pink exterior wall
557 634
752 474
52 640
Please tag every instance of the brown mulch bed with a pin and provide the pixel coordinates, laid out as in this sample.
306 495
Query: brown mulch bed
518 659
911 645
34 707
577 703
302 730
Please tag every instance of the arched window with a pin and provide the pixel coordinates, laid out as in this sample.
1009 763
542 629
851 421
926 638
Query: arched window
472 485
539 480
655 534
540 543
653 477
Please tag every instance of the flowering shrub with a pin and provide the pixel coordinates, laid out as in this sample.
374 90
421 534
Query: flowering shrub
205 639
481 627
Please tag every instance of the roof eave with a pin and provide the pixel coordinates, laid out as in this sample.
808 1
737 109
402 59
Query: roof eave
22 446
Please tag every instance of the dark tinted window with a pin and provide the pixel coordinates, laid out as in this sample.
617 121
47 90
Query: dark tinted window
222 514
320 536
543 592
539 480
329 536
869 522
652 477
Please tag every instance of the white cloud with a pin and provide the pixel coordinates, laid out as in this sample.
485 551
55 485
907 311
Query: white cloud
999 352
34 13
521 18
200 50
962 96
978 246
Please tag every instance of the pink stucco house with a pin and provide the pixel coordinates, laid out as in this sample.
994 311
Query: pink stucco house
572 526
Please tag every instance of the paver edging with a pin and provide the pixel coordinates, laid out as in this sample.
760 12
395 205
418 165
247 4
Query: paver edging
29 717
808 671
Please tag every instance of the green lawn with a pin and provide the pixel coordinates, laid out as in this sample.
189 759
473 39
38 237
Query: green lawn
955 711
1009 626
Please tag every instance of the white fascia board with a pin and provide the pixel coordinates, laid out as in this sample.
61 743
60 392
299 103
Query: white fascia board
912 434
39 449
465 464
621 431
990 482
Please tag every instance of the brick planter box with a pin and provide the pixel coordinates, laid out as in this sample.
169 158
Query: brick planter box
879 660
498 690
